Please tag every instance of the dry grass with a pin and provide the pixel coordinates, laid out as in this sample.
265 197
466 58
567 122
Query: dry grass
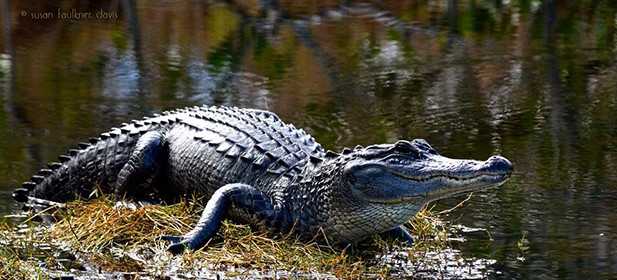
98 225
120 239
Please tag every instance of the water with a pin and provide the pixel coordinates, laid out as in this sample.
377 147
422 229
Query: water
534 81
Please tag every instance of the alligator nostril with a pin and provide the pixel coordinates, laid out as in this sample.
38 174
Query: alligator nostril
499 163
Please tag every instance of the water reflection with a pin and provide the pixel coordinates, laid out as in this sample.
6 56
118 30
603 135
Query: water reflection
536 81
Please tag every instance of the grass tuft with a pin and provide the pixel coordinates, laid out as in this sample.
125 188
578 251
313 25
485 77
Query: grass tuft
98 225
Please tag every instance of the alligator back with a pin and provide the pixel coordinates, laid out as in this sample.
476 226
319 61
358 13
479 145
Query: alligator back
205 148
211 147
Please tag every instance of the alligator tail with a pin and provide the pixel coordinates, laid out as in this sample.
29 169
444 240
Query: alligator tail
90 167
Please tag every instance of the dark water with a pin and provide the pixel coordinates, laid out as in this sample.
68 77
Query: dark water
535 81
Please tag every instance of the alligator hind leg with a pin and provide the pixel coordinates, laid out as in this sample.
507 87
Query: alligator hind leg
142 166
245 199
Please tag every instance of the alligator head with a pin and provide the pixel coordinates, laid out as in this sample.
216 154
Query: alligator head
414 171
389 183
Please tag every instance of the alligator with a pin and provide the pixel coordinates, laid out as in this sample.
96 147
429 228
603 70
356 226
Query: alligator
256 169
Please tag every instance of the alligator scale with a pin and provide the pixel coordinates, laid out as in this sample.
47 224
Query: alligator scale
256 169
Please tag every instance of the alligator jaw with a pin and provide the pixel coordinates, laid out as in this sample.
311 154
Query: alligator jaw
433 178
465 176
456 187
452 187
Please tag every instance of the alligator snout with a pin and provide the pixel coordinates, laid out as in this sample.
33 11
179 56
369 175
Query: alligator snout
497 164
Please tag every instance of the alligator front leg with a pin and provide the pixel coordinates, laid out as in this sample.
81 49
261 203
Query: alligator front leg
246 201
142 166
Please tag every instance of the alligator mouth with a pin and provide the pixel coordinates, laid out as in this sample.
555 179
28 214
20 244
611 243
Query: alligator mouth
454 178
451 186
460 176
454 185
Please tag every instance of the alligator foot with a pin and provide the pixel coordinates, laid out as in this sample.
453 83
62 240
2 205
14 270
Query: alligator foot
400 233
178 248
178 243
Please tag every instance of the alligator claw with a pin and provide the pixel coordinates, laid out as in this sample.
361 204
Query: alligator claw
177 248
178 243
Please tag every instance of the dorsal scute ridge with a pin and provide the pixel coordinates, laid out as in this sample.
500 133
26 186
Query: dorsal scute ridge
251 135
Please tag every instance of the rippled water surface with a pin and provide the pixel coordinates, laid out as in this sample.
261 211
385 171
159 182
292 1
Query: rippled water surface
535 81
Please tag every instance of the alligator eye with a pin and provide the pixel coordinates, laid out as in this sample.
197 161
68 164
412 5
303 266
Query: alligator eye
405 147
